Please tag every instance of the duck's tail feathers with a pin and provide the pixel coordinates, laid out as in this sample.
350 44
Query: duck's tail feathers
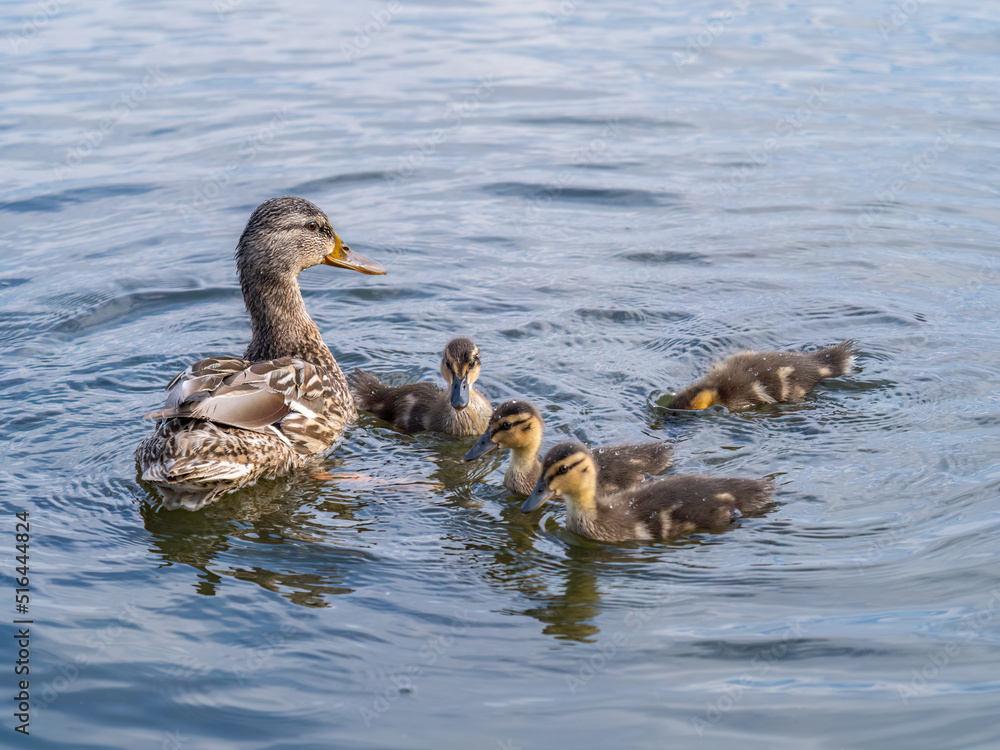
837 360
754 494
369 392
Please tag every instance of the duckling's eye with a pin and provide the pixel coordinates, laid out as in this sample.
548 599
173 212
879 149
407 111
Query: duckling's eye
505 426
313 226
562 470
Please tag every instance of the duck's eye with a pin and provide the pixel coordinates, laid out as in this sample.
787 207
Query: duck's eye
505 426
313 226
562 470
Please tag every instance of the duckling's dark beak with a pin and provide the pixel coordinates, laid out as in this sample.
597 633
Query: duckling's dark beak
483 446
460 392
343 257
539 496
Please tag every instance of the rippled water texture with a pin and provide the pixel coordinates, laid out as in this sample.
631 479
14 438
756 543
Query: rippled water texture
606 197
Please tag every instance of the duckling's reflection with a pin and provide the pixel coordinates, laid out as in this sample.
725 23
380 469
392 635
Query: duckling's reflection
570 614
460 478
270 513
509 549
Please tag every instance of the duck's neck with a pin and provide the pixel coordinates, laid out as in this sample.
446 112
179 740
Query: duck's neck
280 325
525 468
523 472
581 506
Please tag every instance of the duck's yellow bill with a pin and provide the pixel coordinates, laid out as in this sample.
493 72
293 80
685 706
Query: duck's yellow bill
343 257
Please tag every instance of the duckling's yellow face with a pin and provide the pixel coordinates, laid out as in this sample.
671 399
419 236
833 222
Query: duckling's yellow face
569 471
460 367
696 399
705 398
571 474
516 425
516 431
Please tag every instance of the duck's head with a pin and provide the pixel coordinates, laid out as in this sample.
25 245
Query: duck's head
516 425
460 368
287 235
568 470
696 399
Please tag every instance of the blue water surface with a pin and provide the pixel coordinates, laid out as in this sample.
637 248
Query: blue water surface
606 197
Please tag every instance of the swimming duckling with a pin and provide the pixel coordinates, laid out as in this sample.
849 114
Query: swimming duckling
749 378
657 509
459 410
518 425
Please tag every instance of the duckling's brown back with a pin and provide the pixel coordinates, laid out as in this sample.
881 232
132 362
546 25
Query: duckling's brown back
684 503
751 377
406 406
620 467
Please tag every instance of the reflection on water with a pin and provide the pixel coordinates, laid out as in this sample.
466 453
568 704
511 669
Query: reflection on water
570 613
272 514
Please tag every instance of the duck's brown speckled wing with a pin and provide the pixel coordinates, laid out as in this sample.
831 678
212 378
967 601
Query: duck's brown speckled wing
205 375
286 395
229 422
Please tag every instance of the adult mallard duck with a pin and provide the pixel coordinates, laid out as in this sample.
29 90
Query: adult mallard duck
656 509
749 378
518 425
228 421
458 410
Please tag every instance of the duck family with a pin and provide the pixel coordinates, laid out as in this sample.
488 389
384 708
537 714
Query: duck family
230 421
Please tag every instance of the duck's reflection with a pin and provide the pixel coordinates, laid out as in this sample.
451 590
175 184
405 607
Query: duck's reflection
272 513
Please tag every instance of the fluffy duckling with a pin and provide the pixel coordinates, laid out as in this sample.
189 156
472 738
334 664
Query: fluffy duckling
749 378
230 421
518 425
458 410
657 509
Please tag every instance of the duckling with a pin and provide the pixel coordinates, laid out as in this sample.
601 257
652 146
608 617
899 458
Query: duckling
518 425
229 421
749 378
657 509
459 410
